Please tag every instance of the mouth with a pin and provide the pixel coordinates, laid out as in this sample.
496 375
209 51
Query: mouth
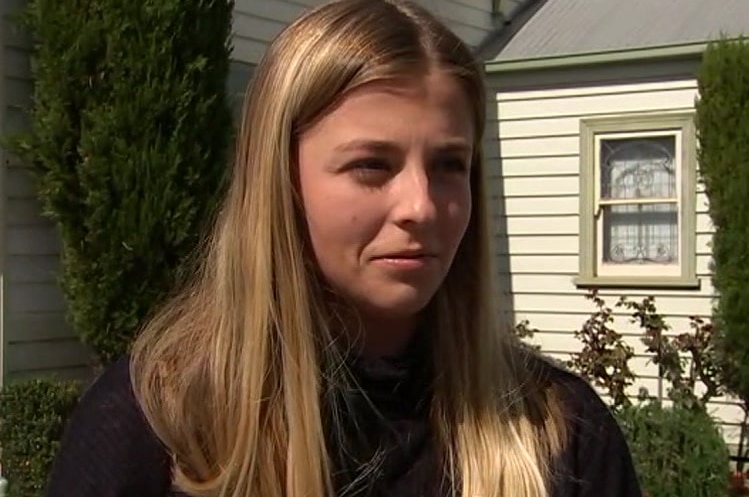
406 261
406 255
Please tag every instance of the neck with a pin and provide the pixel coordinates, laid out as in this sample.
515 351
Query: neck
377 337
386 338
371 335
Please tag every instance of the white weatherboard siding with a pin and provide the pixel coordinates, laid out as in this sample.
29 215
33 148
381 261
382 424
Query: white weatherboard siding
536 188
37 339
257 22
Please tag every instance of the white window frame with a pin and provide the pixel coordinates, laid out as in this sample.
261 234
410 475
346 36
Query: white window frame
594 272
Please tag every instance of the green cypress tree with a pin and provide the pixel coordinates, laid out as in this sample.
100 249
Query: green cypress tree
129 134
723 133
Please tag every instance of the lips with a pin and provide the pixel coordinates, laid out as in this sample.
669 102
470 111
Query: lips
407 254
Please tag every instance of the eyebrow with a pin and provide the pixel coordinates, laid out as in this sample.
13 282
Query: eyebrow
368 145
384 146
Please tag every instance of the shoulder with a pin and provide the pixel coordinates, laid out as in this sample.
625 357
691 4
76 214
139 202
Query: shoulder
596 459
108 448
111 386
578 397
111 395
585 413
575 393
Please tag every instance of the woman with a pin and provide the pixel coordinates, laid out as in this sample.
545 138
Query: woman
341 337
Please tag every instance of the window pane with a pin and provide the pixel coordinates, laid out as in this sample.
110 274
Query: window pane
633 168
640 234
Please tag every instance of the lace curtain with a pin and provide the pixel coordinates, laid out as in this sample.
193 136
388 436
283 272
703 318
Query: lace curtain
639 200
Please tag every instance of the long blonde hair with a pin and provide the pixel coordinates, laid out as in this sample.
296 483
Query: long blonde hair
230 373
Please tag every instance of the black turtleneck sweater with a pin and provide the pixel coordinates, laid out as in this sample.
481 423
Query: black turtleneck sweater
108 449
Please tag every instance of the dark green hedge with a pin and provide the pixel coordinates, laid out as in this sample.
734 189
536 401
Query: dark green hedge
678 452
130 129
32 420
723 133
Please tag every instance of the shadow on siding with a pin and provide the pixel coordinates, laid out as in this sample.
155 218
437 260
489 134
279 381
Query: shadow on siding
240 74
497 210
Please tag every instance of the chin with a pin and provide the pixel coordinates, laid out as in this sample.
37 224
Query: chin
397 302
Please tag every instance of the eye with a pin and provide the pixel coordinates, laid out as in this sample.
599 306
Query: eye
371 170
451 164
371 164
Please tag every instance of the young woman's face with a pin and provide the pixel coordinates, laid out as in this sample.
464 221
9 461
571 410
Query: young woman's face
385 184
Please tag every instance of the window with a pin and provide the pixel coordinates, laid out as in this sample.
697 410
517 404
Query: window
637 202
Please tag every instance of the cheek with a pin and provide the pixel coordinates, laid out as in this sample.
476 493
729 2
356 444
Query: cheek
458 217
337 237
339 227
330 226
341 218
326 223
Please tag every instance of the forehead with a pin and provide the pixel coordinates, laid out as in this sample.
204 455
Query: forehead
434 104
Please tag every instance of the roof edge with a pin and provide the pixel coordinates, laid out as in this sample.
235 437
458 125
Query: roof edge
692 49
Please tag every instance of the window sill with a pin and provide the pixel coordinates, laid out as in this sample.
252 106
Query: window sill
633 282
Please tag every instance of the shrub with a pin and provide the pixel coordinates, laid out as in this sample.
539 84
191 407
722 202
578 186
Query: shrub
687 361
604 357
129 136
32 420
678 452
723 134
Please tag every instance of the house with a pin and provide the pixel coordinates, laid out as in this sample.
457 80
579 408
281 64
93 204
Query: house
592 160
34 336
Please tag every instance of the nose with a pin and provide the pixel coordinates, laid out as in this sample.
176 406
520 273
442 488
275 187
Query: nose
414 199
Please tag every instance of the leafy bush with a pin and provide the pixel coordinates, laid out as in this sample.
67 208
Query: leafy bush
688 361
723 134
604 358
685 360
678 452
129 137
32 420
